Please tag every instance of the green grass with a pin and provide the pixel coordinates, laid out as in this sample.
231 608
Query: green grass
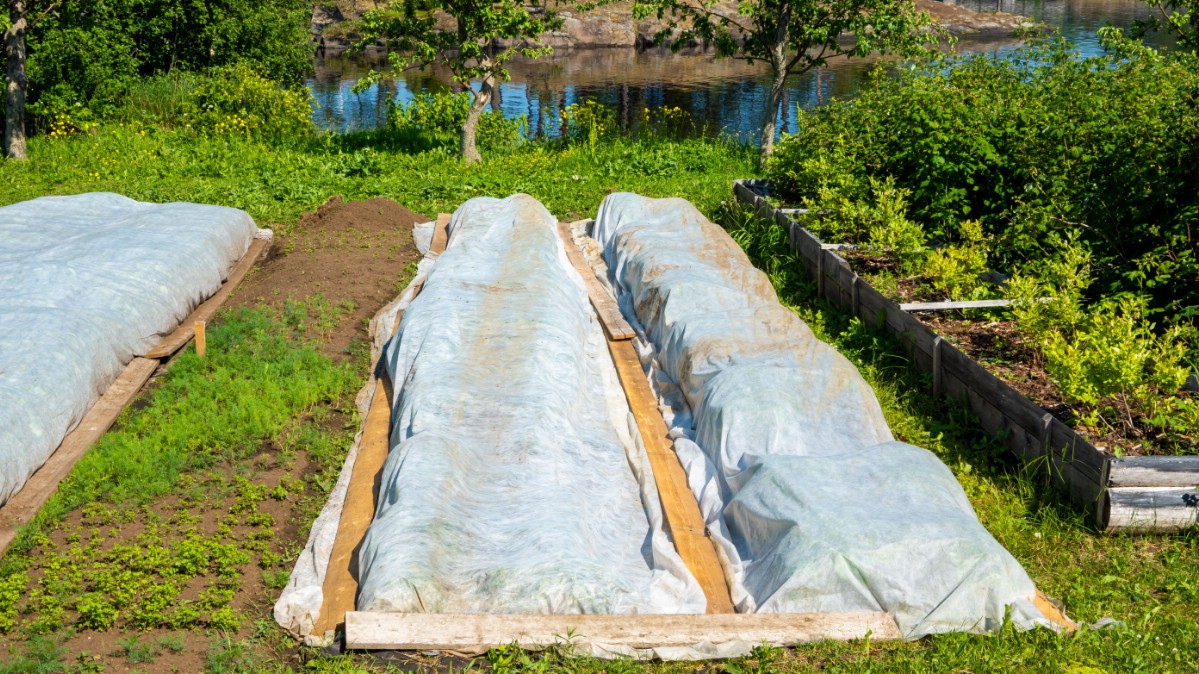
264 384
275 183
160 523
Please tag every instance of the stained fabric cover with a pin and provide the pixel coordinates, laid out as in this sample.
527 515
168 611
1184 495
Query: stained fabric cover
786 447
514 482
87 282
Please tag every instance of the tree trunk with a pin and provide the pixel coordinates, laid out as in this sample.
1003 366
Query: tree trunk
14 101
766 141
470 153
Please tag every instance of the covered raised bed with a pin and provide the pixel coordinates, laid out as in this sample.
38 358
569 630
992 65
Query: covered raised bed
515 479
94 290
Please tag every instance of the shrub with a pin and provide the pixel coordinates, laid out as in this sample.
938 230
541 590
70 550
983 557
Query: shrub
1041 144
237 99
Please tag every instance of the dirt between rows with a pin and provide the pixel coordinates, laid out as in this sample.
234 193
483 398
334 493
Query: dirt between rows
354 254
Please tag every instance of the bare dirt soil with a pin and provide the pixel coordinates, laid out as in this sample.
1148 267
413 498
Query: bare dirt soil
352 253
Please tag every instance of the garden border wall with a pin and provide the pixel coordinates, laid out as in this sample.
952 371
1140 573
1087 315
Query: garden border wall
1149 493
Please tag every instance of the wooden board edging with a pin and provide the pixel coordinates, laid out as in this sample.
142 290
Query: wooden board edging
476 633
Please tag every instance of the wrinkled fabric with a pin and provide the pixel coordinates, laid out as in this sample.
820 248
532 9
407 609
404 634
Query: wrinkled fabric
815 505
87 282
515 482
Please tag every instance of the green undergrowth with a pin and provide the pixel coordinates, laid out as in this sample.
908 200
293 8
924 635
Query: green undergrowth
178 510
277 181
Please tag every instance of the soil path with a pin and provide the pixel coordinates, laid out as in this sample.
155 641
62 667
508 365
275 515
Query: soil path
352 253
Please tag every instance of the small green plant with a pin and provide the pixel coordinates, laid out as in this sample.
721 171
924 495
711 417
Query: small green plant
955 269
137 651
237 100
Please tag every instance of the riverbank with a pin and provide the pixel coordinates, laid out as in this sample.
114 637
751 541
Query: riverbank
612 26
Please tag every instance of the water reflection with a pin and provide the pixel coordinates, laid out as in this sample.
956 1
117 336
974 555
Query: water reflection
721 95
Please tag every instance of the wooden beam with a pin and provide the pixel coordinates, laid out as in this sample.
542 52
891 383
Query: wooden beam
615 326
21 508
476 633
1151 509
440 234
340 587
945 306
1154 471
184 333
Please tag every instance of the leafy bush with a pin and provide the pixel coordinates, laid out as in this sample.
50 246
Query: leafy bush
955 269
437 119
93 51
237 99
1046 142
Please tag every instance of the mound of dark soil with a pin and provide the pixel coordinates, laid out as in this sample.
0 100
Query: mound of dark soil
349 252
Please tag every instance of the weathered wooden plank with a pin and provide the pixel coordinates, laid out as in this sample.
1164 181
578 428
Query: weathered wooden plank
945 306
22 507
440 234
679 506
615 326
1162 509
974 376
186 330
475 633
1154 471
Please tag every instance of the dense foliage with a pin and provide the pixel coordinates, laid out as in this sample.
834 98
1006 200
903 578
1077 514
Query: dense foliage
88 53
1039 147
1075 176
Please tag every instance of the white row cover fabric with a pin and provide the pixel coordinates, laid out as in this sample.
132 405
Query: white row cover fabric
515 482
87 282
786 447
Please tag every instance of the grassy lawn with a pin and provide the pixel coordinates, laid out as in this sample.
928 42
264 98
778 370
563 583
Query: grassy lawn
166 548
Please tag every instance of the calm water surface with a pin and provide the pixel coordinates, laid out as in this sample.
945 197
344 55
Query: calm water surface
721 95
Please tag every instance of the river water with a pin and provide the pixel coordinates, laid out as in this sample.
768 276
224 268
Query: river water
720 95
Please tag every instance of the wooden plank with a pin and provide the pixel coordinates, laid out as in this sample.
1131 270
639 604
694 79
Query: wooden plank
183 334
22 507
1053 612
476 633
340 587
615 326
441 232
681 511
1144 509
1154 471
946 306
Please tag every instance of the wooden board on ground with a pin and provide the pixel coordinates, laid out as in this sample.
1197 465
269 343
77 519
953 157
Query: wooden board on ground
22 507
475 633
186 330
440 234
340 586
615 326
683 517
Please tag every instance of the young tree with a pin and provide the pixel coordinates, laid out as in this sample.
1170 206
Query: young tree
792 36
473 38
